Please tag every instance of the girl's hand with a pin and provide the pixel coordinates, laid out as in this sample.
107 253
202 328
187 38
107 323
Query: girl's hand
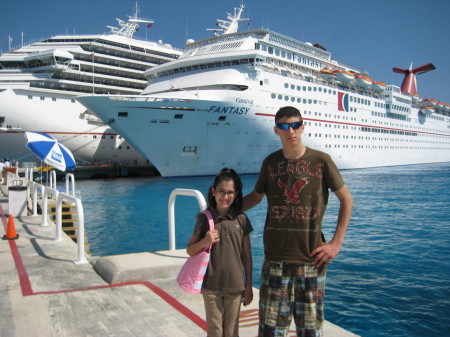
212 237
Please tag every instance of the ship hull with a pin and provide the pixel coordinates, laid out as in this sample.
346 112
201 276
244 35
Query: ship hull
60 116
197 133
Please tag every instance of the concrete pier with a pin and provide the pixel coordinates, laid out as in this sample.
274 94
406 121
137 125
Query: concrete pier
44 293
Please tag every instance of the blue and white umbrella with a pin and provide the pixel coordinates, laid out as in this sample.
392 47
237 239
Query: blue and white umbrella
50 151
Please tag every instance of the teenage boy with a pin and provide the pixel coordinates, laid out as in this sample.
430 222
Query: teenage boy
296 181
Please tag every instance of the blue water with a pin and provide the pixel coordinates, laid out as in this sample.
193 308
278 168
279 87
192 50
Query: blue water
392 277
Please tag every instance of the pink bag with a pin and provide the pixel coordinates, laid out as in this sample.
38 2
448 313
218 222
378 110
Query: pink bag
190 277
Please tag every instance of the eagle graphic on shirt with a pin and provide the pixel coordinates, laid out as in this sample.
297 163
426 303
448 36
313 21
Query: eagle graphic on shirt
293 193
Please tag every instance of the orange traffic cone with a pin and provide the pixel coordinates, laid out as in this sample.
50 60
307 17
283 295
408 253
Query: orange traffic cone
11 231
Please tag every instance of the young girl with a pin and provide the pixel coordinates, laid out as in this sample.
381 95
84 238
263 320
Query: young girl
224 285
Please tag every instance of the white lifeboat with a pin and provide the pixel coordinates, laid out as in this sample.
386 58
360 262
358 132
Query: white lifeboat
344 76
378 86
327 73
429 102
363 81
415 97
426 110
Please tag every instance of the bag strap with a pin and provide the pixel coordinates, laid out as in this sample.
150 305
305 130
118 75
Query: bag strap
210 219
211 225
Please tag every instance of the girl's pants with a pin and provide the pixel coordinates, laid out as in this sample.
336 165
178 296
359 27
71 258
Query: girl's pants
222 313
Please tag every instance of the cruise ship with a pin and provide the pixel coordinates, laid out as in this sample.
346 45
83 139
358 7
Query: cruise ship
215 107
39 83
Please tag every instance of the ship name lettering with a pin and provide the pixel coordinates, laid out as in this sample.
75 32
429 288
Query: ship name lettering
228 110
247 101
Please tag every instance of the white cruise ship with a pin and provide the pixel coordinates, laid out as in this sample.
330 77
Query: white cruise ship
39 83
215 107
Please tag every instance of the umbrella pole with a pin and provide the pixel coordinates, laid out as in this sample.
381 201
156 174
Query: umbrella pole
41 173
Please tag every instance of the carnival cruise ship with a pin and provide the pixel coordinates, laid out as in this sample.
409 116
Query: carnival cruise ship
215 107
39 83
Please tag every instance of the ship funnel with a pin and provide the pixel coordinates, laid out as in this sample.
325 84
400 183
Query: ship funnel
409 85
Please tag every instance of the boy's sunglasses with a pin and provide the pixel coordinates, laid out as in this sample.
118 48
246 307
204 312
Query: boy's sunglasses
286 126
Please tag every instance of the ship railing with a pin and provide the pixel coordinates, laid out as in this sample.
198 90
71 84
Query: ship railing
186 192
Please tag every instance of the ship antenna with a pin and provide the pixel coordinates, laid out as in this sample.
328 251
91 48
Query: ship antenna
127 29
409 84
231 25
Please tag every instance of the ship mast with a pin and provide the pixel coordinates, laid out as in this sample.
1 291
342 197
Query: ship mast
127 29
231 26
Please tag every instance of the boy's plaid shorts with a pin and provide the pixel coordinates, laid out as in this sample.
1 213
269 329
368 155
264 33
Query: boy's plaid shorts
291 289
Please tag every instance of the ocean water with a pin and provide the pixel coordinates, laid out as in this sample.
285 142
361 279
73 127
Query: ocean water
392 277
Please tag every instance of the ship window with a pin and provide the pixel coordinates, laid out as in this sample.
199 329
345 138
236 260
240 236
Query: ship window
222 118
178 116
42 98
30 97
122 114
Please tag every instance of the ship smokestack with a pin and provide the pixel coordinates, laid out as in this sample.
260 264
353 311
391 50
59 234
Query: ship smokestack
409 85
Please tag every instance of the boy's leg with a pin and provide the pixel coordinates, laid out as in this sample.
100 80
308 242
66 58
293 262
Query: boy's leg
275 304
309 297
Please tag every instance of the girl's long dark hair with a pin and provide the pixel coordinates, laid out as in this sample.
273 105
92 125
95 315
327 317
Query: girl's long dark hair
227 174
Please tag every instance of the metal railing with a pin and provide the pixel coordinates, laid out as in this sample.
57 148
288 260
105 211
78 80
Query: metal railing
80 232
59 197
173 195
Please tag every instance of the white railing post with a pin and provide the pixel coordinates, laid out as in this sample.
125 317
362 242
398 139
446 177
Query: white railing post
53 179
45 192
71 177
80 213
173 195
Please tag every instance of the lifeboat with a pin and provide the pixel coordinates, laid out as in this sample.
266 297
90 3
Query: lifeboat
426 110
439 105
414 97
378 86
327 73
344 76
429 102
363 81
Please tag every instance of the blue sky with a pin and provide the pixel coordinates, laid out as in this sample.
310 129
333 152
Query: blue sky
373 35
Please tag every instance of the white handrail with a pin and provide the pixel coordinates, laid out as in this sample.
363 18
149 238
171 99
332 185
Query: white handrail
45 192
80 213
71 177
173 195
53 179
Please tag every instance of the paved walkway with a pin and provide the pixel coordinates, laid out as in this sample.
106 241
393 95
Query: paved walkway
44 293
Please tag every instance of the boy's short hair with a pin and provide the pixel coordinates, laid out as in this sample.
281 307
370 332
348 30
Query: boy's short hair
287 111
